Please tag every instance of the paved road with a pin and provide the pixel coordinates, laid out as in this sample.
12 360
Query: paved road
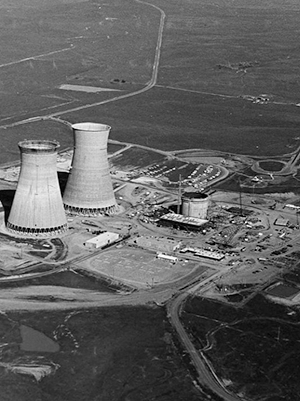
150 84
206 375
57 298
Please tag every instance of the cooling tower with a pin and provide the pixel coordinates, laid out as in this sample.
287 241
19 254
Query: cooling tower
89 190
37 209
195 204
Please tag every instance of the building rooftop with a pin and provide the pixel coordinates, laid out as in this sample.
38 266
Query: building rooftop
280 221
179 218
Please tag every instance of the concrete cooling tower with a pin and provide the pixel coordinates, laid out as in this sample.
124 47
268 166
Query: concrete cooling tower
195 204
37 209
89 190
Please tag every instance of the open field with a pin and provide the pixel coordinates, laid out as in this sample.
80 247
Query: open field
213 57
174 120
139 268
253 349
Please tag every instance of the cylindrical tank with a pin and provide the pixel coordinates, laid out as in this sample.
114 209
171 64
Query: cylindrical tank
195 204
89 190
37 209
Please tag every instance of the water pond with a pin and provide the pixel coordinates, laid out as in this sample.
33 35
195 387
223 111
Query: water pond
36 341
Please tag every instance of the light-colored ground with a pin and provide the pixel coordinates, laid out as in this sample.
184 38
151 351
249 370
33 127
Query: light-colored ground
137 267
88 89
57 298
204 159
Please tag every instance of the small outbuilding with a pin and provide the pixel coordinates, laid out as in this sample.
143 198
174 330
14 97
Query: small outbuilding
282 222
169 258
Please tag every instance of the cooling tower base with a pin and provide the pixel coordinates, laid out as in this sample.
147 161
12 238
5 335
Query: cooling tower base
90 212
27 232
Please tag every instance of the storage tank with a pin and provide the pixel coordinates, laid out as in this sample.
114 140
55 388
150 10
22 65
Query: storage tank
89 190
195 204
37 209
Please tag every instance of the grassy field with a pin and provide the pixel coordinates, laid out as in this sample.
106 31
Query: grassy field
213 55
136 157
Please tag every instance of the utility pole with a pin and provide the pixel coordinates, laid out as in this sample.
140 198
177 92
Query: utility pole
240 196
179 195
278 334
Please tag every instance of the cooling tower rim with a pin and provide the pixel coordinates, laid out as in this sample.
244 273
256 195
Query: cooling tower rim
90 127
195 195
38 146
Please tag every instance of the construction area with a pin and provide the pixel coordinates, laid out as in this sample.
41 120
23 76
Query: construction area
153 225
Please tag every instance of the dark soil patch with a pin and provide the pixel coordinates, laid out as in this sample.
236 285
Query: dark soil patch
271 165
105 354
255 347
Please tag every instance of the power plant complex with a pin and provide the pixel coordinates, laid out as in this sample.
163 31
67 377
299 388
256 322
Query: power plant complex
37 209
89 190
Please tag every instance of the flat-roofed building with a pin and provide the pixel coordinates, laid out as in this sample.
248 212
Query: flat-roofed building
102 240
280 221
160 244
170 258
184 222
204 253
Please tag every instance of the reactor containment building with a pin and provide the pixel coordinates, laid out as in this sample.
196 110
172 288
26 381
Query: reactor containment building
195 204
37 209
89 189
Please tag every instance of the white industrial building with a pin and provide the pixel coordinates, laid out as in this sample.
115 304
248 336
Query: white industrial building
102 240
170 258
204 253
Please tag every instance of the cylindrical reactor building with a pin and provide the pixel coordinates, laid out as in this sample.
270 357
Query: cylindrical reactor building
195 204
89 190
37 209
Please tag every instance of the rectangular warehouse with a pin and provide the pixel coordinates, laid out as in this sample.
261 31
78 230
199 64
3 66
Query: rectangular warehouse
102 240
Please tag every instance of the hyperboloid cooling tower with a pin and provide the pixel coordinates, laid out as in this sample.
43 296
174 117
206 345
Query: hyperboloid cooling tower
89 189
195 204
37 209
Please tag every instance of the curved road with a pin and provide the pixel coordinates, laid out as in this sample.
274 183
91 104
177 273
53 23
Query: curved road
150 84
55 298
206 375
